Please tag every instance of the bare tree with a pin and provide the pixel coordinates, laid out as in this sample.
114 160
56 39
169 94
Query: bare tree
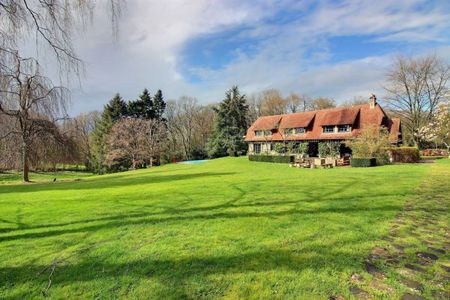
79 129
357 100
31 100
415 87
297 103
322 103
272 103
49 24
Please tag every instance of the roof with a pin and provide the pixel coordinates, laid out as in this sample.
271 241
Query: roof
266 123
358 117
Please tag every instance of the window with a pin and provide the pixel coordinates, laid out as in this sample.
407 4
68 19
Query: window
261 133
299 130
295 131
257 148
328 129
344 128
271 147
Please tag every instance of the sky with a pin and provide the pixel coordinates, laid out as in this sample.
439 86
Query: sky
200 48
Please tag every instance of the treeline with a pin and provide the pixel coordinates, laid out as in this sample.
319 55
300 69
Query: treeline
148 131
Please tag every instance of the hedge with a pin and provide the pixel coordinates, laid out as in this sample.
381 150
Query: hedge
363 162
272 158
434 152
405 154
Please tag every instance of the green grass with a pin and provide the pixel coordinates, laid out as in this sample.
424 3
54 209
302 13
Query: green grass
13 177
225 228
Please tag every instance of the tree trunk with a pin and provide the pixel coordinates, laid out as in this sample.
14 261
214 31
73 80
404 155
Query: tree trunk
151 162
26 167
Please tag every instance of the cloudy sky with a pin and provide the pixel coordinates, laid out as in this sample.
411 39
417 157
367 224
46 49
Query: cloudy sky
200 48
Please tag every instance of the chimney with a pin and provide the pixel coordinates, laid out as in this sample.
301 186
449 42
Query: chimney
372 100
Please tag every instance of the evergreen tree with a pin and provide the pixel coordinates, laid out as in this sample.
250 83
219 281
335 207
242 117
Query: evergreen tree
143 107
230 125
98 139
112 112
159 106
116 108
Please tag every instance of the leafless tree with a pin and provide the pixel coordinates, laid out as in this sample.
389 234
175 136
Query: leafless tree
415 87
30 100
135 139
297 103
189 127
272 103
357 100
79 129
321 103
50 23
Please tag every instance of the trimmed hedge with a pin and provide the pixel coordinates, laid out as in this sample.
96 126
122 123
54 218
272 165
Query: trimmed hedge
434 152
363 162
272 158
405 154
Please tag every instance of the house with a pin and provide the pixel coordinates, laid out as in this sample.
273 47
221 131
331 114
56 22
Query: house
335 124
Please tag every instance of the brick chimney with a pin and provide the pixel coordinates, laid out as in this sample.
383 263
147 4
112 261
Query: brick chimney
372 100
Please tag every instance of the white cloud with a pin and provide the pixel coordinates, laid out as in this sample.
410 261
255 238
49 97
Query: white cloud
292 56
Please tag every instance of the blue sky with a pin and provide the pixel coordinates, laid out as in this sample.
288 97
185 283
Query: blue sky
337 49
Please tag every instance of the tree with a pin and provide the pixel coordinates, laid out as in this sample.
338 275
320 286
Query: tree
438 130
142 107
116 108
415 87
134 140
31 100
296 103
230 125
50 24
79 129
272 103
159 106
98 141
322 103
357 100
373 142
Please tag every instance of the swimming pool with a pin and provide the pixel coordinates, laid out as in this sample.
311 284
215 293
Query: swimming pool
192 162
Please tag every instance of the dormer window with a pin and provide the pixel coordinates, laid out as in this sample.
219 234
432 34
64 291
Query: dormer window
344 128
328 129
263 133
295 131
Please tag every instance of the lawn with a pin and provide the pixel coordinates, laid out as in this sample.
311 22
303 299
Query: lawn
225 228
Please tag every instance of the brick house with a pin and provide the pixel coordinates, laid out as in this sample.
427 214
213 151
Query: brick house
335 124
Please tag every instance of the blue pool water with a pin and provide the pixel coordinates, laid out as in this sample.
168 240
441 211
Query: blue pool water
192 162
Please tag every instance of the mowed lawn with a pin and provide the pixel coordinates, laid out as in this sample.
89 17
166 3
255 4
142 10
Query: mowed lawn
225 228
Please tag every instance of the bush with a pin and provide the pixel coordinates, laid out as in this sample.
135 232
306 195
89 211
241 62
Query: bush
405 154
363 162
271 158
434 152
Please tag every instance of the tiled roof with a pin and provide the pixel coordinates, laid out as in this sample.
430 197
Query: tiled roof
358 117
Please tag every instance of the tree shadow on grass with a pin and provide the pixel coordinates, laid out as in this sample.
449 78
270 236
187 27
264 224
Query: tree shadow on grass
102 183
152 219
177 276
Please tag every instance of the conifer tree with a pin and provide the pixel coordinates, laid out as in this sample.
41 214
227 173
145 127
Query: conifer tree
159 106
116 108
230 125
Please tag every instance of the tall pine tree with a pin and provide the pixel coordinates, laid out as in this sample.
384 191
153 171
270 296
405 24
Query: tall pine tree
116 108
230 125
113 111
159 106
142 107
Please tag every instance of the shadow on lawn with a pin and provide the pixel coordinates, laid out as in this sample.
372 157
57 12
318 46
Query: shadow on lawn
179 277
100 183
169 214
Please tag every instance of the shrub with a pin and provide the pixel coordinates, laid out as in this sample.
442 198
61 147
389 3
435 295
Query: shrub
329 149
363 162
434 152
405 154
271 158
373 142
